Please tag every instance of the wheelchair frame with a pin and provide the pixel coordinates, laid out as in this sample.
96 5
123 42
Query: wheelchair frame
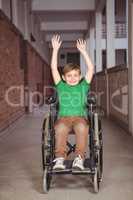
93 164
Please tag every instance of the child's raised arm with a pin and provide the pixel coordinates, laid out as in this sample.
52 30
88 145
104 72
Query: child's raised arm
81 46
56 43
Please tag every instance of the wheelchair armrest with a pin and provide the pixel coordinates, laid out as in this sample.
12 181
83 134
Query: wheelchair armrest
51 100
91 100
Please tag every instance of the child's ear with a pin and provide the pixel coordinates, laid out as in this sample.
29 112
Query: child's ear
63 77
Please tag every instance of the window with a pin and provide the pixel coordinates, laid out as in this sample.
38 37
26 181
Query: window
73 58
121 57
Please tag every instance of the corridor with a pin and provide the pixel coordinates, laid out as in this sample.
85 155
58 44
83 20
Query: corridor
21 169
26 31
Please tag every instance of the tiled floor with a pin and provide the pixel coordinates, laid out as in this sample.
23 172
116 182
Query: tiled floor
21 169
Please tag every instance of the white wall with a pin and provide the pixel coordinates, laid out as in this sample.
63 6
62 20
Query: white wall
26 23
5 5
0 4
119 43
32 26
21 16
130 65
40 44
63 5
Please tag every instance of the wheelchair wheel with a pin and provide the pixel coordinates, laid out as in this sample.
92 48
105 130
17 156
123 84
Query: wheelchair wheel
95 180
99 146
97 152
100 154
46 181
100 163
46 155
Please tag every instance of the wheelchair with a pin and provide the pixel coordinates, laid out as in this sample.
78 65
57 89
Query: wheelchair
93 163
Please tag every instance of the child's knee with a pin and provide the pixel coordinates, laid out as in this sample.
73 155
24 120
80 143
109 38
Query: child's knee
60 126
82 127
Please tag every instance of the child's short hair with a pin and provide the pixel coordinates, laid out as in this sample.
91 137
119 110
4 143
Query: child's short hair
69 67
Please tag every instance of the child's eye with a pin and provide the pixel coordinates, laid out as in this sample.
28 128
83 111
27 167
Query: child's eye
76 75
69 75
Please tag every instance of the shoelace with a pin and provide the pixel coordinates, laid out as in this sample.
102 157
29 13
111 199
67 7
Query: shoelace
78 158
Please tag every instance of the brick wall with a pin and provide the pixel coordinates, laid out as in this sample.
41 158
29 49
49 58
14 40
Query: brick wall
22 67
35 77
48 85
99 87
11 73
39 79
117 89
118 95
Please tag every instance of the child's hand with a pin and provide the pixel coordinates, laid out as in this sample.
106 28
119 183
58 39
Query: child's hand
81 45
56 42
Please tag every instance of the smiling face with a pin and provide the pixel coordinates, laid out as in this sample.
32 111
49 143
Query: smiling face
72 77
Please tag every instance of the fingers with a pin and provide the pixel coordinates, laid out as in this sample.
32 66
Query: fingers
56 38
81 42
56 42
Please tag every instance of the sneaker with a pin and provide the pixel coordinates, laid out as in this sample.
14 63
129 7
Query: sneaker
59 163
78 163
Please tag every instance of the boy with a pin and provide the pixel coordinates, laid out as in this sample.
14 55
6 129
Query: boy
72 92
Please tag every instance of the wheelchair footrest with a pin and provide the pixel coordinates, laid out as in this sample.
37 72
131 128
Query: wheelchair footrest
85 171
61 171
70 170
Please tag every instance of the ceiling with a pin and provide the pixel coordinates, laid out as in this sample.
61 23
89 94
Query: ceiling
69 18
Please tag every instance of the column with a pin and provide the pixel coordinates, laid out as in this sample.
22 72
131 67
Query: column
130 65
92 43
127 28
98 41
15 12
110 20
26 20
0 4
82 65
